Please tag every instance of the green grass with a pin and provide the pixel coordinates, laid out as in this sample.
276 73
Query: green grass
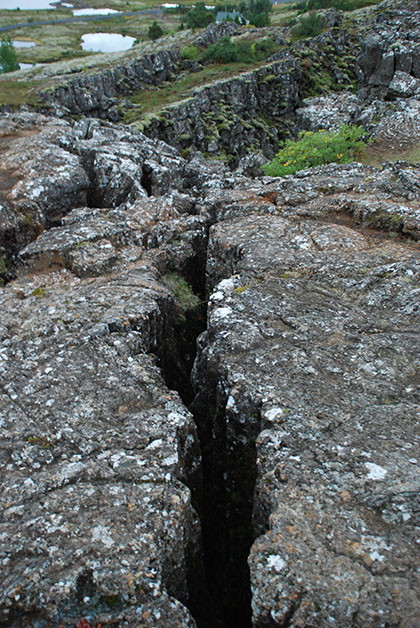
16 93
376 154
185 299
62 41
152 100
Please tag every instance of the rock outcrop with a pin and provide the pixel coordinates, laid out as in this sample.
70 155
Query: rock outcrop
282 487
308 375
389 60
305 439
97 94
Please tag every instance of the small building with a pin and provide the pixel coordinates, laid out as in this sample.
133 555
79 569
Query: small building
231 16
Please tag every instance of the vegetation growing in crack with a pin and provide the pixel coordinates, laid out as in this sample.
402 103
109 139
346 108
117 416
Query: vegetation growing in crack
185 298
316 149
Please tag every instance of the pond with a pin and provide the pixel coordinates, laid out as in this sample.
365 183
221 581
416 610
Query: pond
106 42
77 12
26 4
20 43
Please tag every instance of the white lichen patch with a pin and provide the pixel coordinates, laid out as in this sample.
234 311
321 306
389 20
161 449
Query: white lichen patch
276 562
376 472
102 534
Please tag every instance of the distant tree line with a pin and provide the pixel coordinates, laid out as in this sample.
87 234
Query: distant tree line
255 11
342 5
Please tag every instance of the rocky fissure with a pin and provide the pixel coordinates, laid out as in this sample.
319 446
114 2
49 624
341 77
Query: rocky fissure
98 452
265 475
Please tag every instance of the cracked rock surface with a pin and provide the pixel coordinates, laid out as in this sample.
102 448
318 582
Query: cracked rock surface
306 380
312 342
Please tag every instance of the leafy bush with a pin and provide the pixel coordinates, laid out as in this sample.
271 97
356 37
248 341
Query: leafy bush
8 59
199 16
190 52
309 26
223 51
265 48
315 149
241 51
155 31
245 51
261 19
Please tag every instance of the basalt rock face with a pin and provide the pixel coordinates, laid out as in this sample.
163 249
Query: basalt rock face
99 458
302 457
98 94
389 60
49 167
96 452
256 110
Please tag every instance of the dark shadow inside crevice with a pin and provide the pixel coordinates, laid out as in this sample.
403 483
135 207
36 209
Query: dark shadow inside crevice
225 502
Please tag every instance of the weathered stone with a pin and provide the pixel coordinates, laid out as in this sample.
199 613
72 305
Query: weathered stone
96 452
66 166
327 112
40 181
312 342
307 380
391 45
403 85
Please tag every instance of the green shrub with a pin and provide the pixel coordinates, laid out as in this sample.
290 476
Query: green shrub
342 5
261 19
309 26
8 59
245 51
315 149
265 48
223 51
241 51
190 52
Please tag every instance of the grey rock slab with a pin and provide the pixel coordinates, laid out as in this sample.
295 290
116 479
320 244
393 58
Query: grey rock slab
313 342
96 521
93 242
39 179
384 199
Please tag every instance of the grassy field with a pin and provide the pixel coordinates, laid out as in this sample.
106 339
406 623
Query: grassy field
55 42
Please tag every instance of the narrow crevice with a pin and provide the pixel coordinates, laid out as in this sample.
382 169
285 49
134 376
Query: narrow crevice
146 179
225 501
229 475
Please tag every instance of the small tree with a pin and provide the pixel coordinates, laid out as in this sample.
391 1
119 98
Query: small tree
8 59
155 31
199 16
223 51
261 19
